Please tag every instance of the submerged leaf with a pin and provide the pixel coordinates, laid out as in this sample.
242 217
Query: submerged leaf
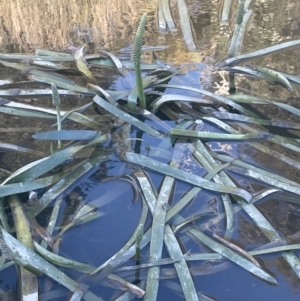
231 255
67 135
185 176
29 259
174 97
125 116
170 242
208 136
37 168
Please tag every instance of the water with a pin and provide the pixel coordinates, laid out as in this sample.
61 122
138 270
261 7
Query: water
111 25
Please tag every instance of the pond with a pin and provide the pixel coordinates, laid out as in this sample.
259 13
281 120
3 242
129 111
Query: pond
131 167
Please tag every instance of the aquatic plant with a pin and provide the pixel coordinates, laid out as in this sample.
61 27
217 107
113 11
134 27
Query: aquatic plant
136 58
56 103
138 239
178 150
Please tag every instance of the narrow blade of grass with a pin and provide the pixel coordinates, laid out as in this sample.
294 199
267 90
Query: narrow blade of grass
150 264
208 136
53 219
276 122
185 25
157 235
19 149
24 93
51 77
107 96
219 98
28 282
26 257
167 14
210 165
37 168
62 261
126 117
275 249
184 176
137 291
272 75
62 185
15 188
225 11
162 24
259 53
66 135
242 30
173 97
264 226
171 243
265 179
239 260
13 104
117 62
54 57
255 100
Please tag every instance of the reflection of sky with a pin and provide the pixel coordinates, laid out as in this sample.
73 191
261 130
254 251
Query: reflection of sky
191 79
98 240
8 281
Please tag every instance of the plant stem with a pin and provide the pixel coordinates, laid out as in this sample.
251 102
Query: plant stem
136 58
140 87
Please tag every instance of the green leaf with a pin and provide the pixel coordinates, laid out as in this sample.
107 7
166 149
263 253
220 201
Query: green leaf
125 116
259 53
208 136
185 176
185 25
174 97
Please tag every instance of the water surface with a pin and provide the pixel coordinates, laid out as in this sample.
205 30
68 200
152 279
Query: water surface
111 25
